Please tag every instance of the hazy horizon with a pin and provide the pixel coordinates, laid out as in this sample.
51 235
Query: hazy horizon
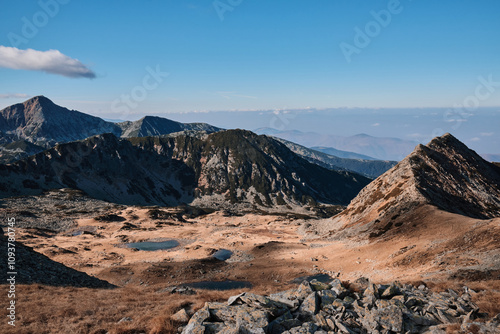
405 69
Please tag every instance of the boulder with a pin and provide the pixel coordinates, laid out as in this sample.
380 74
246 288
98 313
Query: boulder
310 306
195 325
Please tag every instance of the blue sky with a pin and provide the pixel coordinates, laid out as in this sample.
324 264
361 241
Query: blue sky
255 55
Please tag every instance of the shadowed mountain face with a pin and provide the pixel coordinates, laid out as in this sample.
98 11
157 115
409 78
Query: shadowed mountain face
17 149
104 167
255 169
224 168
444 173
37 268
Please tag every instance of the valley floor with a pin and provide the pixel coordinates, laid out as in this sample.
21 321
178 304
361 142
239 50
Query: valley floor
441 249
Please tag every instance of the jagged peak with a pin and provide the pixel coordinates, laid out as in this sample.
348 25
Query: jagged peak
40 100
446 140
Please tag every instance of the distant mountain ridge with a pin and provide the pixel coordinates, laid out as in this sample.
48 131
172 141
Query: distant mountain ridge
342 154
393 149
233 168
41 122
369 168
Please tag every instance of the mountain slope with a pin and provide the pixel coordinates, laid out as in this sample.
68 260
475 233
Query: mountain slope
342 154
223 169
444 173
40 121
369 168
37 268
156 126
105 168
17 149
255 169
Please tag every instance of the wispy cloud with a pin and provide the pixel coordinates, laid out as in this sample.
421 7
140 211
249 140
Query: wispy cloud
376 124
487 134
12 96
51 61
475 139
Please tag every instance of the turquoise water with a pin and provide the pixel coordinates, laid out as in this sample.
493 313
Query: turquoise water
153 246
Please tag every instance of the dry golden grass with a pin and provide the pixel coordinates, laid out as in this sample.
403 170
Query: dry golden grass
486 296
43 309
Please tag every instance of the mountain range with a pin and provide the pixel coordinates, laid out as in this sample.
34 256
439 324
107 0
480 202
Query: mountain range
223 169
367 167
363 145
39 124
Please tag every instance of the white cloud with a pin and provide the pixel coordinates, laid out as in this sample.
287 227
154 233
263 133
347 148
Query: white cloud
459 120
487 134
475 139
10 96
376 124
51 61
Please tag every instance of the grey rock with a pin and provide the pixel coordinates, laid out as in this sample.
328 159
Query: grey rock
319 286
181 316
306 328
310 306
390 309
195 325
339 289
327 297
303 291
391 291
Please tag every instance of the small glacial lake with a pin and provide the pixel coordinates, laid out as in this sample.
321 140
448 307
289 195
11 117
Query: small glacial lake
224 285
153 246
222 254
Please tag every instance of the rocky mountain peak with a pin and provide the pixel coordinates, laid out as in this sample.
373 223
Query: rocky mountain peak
40 121
39 100
444 173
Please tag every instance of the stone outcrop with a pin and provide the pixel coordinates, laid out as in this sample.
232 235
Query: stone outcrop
321 308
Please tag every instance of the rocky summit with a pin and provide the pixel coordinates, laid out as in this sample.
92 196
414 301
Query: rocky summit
362 307
42 122
444 173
